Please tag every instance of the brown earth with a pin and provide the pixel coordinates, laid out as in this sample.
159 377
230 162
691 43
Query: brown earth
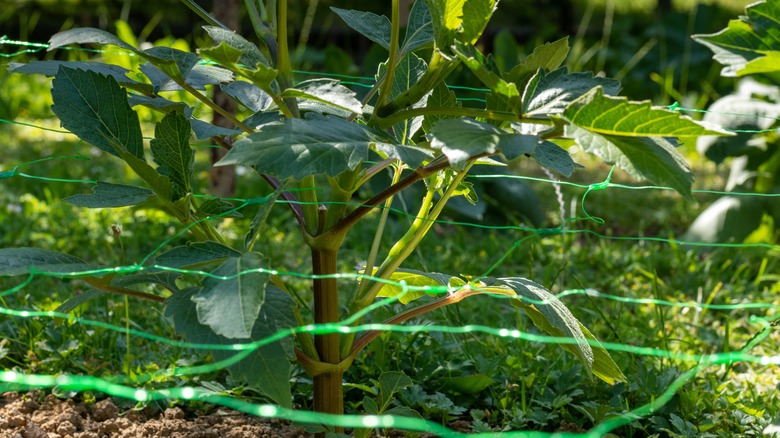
26 416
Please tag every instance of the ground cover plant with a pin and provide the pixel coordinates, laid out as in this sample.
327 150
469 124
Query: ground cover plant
553 107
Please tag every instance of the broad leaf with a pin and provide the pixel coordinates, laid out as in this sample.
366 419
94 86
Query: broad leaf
550 93
750 44
302 147
88 35
202 75
203 130
258 222
411 278
446 20
462 139
518 145
412 156
250 95
18 261
326 91
618 116
441 96
217 207
476 14
419 30
392 382
229 57
552 316
166 279
506 92
250 54
554 157
408 71
230 306
160 184
107 195
158 103
377 28
196 255
173 62
171 150
470 384
266 369
603 366
548 56
95 108
50 68
653 158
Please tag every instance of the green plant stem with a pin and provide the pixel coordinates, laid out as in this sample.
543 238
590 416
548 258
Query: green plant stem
407 244
308 196
328 390
392 59
438 68
380 229
211 104
283 58
202 13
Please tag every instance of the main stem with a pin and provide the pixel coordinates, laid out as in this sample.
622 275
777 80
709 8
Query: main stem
328 391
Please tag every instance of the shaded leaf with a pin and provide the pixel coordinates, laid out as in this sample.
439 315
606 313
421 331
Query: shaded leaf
550 93
749 44
160 184
552 316
18 261
328 92
518 145
419 30
202 75
554 157
203 130
51 67
375 27
171 150
266 369
158 103
302 147
249 94
651 158
87 35
408 71
107 195
500 90
250 54
230 306
609 115
258 222
167 279
173 62
391 382
548 56
462 139
217 207
196 255
471 384
95 108
441 96
412 156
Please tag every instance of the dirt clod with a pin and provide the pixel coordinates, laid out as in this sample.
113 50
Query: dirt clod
21 416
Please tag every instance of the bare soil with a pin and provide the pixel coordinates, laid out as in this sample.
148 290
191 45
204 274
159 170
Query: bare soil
32 415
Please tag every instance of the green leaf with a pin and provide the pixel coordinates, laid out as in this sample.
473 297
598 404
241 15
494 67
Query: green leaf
95 108
377 28
603 366
750 44
173 62
258 222
506 92
441 96
249 53
18 261
518 145
217 207
171 150
471 384
160 184
266 369
326 91
609 115
651 158
554 157
77 300
250 95
299 148
88 35
408 71
411 278
202 75
107 195
412 156
552 315
463 139
204 130
51 67
391 382
476 14
231 306
196 255
446 20
419 30
369 405
550 93
548 56
167 279
157 103
229 57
